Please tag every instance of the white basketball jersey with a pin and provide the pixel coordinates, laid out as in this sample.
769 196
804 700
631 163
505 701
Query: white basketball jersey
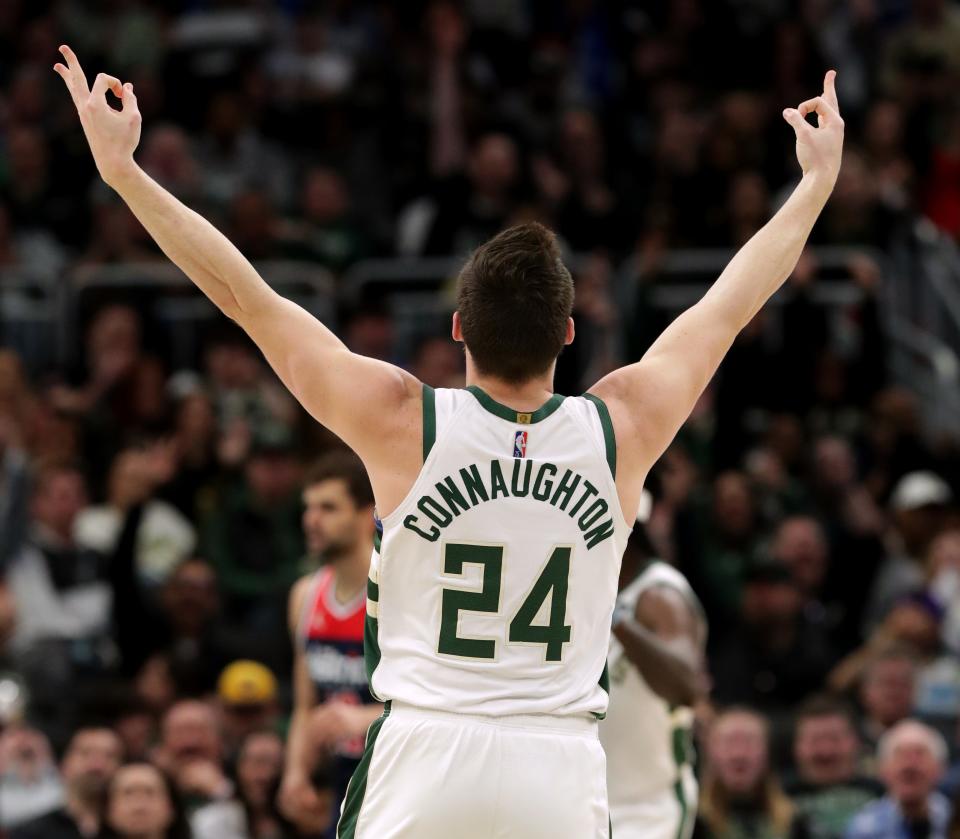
496 577
648 743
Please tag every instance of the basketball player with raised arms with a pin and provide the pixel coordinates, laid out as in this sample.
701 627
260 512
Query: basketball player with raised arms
501 505
657 673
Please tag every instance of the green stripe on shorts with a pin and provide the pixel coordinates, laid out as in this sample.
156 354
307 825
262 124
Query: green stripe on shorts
357 788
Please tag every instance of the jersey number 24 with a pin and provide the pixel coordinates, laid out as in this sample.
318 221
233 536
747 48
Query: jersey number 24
551 583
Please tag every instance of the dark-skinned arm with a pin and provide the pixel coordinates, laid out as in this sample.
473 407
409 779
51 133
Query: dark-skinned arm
664 639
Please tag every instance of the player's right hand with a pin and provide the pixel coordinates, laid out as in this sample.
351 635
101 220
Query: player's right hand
113 135
820 148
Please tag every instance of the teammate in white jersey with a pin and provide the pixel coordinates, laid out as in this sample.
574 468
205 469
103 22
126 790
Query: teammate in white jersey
494 589
657 673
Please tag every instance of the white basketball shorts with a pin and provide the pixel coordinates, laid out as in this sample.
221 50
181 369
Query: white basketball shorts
667 816
437 775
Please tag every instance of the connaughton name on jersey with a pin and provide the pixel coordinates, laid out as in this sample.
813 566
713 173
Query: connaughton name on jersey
478 485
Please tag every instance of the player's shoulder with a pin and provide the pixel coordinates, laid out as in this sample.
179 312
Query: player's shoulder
297 600
655 573
658 572
658 581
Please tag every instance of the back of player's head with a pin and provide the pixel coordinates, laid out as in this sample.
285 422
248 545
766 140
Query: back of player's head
514 297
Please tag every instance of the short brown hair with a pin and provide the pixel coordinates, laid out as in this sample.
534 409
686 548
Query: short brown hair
825 705
343 465
514 296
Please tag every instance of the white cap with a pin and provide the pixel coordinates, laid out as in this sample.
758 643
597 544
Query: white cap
646 507
919 489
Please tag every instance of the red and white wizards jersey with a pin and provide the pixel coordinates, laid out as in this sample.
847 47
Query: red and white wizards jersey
332 638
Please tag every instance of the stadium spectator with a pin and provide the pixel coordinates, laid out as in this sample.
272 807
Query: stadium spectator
801 545
118 237
141 801
164 537
246 398
29 782
715 545
247 692
168 158
234 156
92 757
251 813
325 231
919 503
191 487
61 597
887 692
191 752
827 788
943 576
253 538
468 208
778 655
912 758
438 362
741 796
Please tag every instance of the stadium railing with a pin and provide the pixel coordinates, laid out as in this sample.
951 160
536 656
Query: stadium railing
31 307
41 317
175 304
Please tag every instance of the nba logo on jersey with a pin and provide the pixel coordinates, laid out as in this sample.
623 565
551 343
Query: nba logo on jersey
520 444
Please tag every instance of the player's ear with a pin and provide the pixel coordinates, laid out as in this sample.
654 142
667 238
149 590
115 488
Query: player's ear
457 330
571 333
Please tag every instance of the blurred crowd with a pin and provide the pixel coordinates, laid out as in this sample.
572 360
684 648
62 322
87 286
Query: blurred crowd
150 517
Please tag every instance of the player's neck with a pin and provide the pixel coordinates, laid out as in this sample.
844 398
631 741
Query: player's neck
350 573
522 397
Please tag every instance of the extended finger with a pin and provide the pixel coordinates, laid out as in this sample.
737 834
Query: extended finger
64 73
103 83
77 78
830 90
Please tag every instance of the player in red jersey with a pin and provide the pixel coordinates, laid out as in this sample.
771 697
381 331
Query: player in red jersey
332 703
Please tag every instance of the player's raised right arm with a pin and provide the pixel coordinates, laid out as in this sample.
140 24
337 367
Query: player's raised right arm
368 403
651 399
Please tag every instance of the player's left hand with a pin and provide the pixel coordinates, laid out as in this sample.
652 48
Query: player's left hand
819 149
335 721
113 135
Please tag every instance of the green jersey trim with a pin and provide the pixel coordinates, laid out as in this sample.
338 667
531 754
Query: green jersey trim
371 647
511 415
682 756
429 420
357 788
609 438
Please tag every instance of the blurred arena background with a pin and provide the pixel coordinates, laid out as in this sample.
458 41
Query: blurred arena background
151 465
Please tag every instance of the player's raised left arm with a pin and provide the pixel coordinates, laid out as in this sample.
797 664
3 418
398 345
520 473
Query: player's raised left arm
651 399
335 385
